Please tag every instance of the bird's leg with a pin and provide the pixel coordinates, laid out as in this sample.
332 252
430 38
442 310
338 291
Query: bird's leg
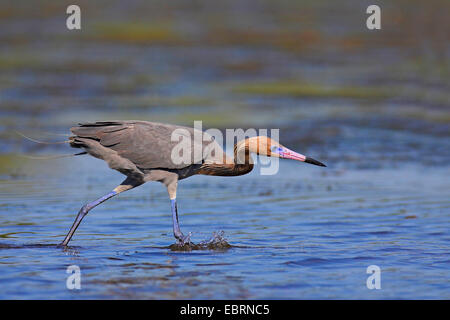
181 238
124 186
172 189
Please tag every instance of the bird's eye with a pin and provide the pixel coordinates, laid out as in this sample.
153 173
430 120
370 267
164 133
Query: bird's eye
276 149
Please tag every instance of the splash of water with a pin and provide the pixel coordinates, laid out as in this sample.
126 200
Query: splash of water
217 241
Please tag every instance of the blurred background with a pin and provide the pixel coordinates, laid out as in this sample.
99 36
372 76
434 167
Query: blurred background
372 104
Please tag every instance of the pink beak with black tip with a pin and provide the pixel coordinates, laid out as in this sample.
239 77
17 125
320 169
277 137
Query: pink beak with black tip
286 153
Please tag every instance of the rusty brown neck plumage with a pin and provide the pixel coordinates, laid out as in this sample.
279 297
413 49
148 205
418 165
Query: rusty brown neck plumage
230 169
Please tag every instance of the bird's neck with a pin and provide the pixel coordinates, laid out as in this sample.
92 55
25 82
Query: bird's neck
243 163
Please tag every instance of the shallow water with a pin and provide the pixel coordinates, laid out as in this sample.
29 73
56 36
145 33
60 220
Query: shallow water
296 235
373 106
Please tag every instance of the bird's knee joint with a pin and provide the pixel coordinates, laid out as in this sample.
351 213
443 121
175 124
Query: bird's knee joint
84 210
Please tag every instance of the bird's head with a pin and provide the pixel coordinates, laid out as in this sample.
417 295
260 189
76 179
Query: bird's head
266 146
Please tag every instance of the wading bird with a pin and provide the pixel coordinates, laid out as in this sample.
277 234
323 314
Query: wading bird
142 151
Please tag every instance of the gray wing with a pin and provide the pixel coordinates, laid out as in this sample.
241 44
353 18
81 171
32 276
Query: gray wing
149 145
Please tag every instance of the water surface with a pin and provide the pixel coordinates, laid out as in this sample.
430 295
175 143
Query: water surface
372 105
300 234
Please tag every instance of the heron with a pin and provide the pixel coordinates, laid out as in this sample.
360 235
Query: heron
143 152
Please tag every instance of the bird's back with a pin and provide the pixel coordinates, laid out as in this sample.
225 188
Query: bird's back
136 146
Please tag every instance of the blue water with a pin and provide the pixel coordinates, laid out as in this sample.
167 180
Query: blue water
300 234
371 104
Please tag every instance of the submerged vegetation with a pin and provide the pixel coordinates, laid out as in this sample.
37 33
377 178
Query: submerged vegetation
136 33
298 89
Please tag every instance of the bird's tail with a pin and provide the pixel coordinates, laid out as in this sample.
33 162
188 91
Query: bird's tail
54 157
38 141
47 142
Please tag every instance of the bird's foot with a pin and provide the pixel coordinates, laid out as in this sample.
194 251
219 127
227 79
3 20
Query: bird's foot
183 240
183 243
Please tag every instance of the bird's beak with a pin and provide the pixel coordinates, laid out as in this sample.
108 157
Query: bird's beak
286 153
